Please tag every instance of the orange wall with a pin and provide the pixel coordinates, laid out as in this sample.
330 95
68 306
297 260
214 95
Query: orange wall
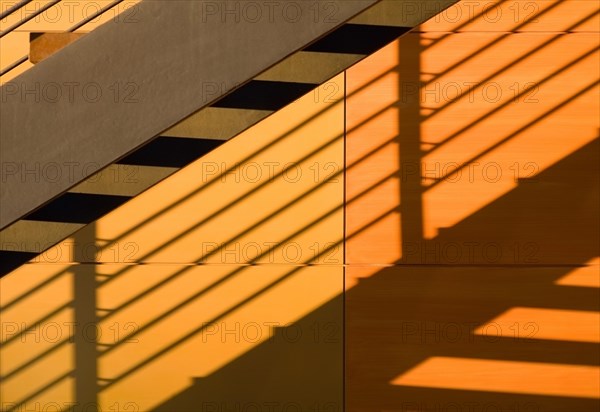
470 289
203 289
472 213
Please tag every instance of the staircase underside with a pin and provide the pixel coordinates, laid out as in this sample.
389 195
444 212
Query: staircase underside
111 140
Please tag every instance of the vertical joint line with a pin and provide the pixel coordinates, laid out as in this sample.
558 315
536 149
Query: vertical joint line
344 251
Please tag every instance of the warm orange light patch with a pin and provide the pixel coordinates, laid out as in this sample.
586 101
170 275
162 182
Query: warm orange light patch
504 376
586 276
553 324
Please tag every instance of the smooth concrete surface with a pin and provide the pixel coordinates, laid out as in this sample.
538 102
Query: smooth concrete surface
217 123
310 67
123 84
35 236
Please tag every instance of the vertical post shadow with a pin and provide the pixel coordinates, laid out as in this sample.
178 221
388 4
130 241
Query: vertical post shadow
86 327
409 142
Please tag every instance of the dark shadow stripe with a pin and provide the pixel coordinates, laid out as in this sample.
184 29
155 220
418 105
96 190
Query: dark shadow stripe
171 152
35 35
265 95
357 39
10 260
77 208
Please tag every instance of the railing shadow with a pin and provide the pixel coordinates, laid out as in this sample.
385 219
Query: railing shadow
387 311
